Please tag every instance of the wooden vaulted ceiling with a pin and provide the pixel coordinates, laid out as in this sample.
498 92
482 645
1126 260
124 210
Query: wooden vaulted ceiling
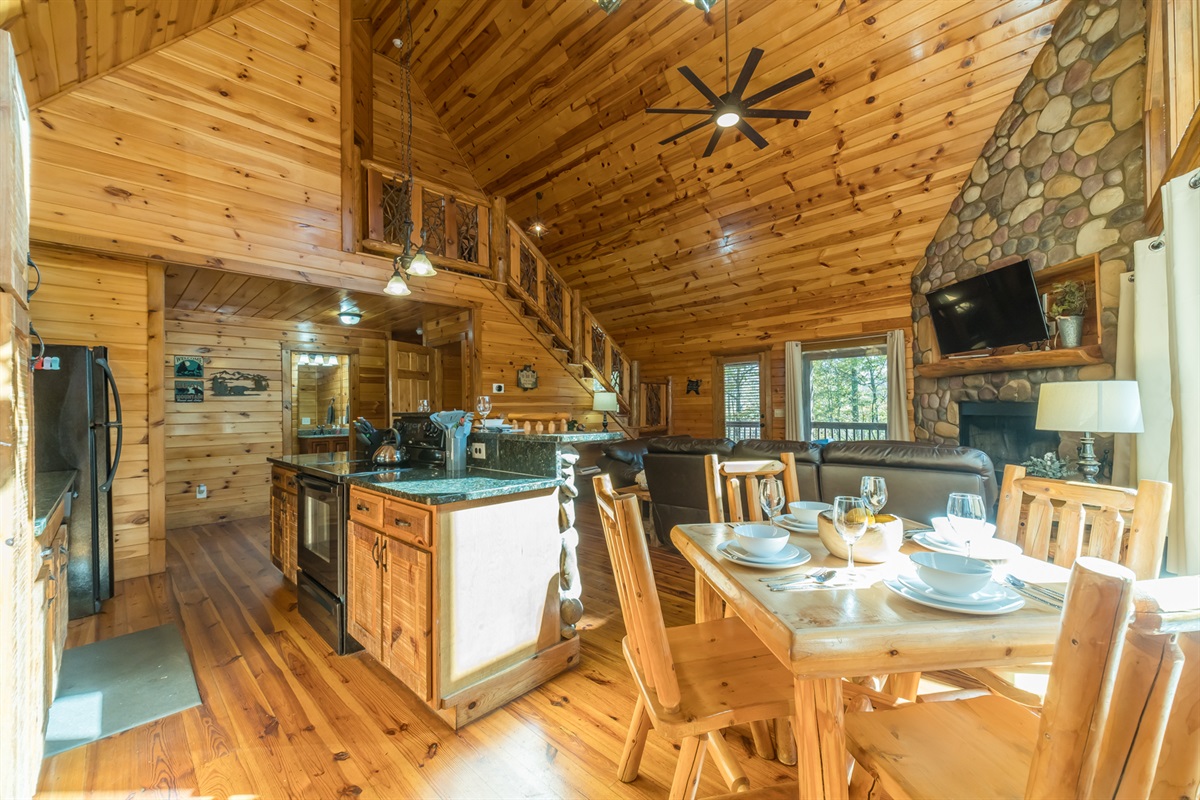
63 43
549 95
230 294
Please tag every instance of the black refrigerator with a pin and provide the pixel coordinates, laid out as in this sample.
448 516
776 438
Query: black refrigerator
73 391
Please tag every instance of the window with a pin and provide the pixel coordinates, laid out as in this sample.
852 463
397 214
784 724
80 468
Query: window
743 400
846 390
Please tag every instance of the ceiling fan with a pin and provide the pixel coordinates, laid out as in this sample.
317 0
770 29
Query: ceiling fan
732 110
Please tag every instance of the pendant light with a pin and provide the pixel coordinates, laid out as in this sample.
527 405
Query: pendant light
537 227
416 265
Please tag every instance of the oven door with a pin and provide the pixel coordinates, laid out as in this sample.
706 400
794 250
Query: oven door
322 533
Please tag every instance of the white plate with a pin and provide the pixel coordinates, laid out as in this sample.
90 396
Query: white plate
988 594
786 553
1004 605
945 530
986 549
731 551
788 522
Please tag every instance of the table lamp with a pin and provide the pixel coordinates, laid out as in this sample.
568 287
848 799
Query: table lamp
1090 407
606 402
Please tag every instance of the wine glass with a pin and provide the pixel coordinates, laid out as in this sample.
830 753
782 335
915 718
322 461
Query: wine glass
770 497
423 406
967 516
483 404
874 493
850 521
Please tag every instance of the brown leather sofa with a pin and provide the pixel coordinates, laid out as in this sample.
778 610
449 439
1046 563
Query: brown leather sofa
920 477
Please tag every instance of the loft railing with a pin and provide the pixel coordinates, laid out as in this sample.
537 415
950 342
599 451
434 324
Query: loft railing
543 290
848 431
607 361
455 224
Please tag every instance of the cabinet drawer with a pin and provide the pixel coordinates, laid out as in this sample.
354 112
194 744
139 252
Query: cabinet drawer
408 523
366 508
284 478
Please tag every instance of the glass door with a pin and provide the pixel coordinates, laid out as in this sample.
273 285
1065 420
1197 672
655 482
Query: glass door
741 396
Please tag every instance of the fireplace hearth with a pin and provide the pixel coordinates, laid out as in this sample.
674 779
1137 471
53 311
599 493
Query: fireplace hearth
1005 431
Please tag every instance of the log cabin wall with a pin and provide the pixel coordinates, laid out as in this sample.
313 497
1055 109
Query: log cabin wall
92 300
224 442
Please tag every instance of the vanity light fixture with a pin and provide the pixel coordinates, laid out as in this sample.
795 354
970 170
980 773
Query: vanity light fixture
302 360
331 360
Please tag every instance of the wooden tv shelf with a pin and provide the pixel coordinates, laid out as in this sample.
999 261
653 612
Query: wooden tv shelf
1027 359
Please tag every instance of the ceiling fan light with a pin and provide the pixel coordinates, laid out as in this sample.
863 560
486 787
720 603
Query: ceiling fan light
728 118
396 285
421 266
350 317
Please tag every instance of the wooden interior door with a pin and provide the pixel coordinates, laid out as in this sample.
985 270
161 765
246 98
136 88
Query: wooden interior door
414 377
742 395
364 589
408 623
454 371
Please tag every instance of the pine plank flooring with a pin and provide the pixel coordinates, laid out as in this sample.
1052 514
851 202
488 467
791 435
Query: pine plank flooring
283 717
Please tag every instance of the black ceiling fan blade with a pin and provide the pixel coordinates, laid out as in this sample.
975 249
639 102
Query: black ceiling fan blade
751 134
694 79
782 86
679 111
712 143
686 131
748 68
774 113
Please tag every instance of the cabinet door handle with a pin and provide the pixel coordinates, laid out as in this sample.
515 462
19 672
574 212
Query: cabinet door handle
361 507
375 552
62 548
402 523
383 555
47 552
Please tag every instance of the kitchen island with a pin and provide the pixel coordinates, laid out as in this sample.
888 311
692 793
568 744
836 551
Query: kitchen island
464 587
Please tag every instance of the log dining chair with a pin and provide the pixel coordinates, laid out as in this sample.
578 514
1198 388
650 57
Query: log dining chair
694 680
1119 718
1059 521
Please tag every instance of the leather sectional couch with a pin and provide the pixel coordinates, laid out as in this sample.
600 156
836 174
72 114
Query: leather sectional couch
920 477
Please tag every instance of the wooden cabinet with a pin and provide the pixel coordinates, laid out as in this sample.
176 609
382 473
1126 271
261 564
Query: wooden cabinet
388 604
324 444
284 521
54 557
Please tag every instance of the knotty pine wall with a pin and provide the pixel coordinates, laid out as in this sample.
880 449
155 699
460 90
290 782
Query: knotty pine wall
96 300
224 442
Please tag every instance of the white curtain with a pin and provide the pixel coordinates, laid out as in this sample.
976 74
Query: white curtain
793 396
1167 355
1125 444
897 387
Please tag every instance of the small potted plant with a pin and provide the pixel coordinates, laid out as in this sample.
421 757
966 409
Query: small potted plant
1070 303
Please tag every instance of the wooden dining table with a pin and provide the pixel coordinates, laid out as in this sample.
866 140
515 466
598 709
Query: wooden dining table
823 634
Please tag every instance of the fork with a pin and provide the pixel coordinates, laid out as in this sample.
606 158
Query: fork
787 578
817 576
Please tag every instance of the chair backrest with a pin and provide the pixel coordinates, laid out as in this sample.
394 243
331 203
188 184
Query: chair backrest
1082 675
1151 744
1126 525
725 480
636 590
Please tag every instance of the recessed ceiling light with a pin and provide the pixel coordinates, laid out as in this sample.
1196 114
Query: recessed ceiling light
350 317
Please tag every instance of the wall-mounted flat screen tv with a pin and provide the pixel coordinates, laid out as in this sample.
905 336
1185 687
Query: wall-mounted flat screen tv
999 308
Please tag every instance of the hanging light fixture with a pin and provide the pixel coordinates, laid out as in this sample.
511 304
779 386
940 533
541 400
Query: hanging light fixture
608 6
537 227
703 5
396 285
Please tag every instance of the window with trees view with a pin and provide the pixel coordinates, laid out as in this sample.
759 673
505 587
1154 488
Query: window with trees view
846 390
743 401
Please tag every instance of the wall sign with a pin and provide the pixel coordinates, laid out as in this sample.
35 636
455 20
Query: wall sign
527 377
189 367
189 391
230 383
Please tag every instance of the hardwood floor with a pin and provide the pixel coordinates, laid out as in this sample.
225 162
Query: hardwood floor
285 718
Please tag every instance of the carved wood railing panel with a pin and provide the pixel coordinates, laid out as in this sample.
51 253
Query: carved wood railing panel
653 407
455 225
542 289
607 362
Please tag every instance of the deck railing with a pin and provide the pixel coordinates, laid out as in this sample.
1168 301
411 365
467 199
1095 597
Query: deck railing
739 430
848 431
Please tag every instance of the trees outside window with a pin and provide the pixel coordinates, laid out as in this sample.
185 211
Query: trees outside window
846 393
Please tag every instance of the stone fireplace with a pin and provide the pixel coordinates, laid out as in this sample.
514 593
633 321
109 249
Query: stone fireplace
1005 431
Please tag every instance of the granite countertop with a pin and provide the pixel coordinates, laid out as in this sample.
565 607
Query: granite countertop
309 459
312 434
432 487
570 437
48 489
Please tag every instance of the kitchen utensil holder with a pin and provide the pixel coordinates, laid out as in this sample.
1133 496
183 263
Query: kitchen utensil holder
456 455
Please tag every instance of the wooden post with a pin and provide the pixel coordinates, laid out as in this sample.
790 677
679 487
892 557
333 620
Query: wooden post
156 468
498 244
576 325
635 380
356 126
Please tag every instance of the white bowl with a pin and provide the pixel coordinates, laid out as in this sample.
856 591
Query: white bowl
951 574
977 531
760 540
806 511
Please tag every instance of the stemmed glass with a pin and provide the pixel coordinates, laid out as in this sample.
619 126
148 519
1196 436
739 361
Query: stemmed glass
874 493
966 514
850 521
423 406
770 497
483 404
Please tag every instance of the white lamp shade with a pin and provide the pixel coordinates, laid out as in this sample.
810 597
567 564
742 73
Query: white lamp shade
1090 406
396 286
604 401
421 266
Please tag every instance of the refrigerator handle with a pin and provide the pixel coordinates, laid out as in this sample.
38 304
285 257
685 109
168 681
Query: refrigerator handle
112 383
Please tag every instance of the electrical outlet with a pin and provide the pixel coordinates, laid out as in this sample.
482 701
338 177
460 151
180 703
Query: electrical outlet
478 450
497 388
201 492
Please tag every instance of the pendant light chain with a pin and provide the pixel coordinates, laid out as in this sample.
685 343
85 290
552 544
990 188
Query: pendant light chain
726 46
408 45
